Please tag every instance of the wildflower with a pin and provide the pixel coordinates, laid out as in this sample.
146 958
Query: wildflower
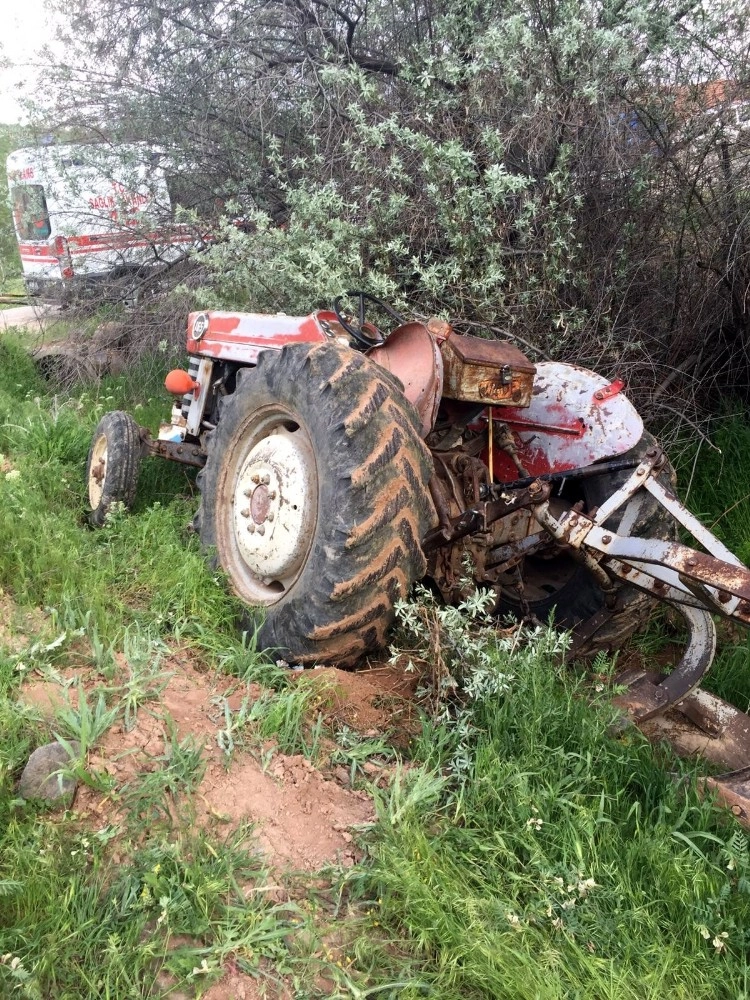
13 474
598 688
731 865
558 924
535 823
705 933
719 942
202 969
513 919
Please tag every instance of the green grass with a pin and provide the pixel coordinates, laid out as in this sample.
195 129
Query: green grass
111 911
111 578
486 890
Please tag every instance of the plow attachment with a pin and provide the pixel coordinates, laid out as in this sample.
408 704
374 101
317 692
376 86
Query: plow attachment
699 585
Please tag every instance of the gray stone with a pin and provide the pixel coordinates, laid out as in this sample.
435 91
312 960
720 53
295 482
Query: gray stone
40 779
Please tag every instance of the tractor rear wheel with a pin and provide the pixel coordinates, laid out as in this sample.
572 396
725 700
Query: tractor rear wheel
314 496
561 586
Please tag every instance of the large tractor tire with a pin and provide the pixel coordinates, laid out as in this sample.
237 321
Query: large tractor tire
113 465
560 586
314 496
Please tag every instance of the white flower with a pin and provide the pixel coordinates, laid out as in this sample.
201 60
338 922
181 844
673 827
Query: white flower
719 942
705 933
13 474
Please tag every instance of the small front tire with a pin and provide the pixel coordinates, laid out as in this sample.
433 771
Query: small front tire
113 465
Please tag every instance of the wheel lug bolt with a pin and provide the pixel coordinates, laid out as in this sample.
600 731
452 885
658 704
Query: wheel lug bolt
269 516
251 527
255 478
261 530
266 479
245 512
272 494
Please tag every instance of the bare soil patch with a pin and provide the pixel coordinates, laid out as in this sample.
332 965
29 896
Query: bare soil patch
239 986
303 818
376 700
18 627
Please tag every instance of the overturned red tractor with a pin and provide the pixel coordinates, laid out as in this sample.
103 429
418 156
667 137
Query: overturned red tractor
340 464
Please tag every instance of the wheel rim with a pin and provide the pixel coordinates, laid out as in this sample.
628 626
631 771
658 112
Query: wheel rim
97 471
270 498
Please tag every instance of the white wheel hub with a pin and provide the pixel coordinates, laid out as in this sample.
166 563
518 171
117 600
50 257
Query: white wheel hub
275 503
97 471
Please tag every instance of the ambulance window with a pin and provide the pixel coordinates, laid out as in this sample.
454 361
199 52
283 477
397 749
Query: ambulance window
30 212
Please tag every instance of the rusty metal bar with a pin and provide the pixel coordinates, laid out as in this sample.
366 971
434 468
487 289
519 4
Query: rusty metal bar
644 699
699 531
174 451
653 461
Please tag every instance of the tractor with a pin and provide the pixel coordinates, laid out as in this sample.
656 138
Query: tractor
340 463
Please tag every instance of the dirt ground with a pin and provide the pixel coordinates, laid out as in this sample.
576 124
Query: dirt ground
304 818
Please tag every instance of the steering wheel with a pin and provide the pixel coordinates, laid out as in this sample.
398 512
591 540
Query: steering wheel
366 334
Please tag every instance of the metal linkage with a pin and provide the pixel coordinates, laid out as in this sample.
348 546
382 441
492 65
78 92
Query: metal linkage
669 570
482 515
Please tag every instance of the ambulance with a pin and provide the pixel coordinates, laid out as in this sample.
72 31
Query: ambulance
85 215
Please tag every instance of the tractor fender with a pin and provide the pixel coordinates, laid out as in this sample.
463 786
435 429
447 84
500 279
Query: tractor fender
575 418
413 356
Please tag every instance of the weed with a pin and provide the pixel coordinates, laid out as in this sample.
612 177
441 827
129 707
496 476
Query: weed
283 717
154 795
85 723
353 751
145 679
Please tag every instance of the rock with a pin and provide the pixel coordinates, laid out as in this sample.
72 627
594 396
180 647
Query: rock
40 779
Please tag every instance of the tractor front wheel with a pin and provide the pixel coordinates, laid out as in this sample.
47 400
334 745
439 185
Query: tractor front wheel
113 465
314 496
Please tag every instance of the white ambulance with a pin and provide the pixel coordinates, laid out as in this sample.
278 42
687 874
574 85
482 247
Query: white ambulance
87 214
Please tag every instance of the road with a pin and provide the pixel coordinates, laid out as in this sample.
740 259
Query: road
37 318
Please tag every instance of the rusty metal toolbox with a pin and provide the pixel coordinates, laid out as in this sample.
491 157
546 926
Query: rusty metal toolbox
486 371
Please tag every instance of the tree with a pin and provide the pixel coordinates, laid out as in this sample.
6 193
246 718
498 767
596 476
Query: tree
544 166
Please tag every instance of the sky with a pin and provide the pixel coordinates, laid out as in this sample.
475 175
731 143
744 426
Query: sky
27 25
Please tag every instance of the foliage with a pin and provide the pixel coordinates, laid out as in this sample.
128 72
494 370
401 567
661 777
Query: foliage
560 172
10 264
